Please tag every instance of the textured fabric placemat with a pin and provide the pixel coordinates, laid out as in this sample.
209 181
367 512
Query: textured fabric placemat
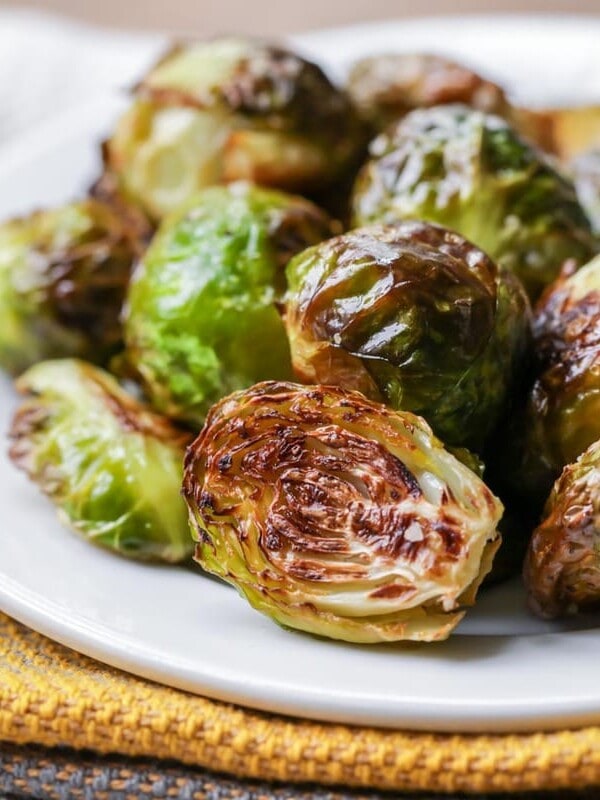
52 696
35 772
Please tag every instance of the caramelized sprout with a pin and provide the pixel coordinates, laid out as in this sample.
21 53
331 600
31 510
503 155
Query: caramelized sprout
111 467
414 316
472 173
227 110
337 516
562 570
63 277
202 316
562 416
386 87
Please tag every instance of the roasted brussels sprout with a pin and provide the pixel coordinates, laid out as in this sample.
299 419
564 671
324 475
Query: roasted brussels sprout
587 182
112 468
337 516
562 416
63 276
562 570
472 173
202 316
386 87
226 110
414 315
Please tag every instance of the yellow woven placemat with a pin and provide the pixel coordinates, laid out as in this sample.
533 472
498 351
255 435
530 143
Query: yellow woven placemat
53 696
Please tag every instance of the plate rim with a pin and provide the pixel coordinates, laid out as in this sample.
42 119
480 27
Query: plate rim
534 714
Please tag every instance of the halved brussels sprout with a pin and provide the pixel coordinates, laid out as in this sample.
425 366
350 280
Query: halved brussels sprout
63 276
386 87
202 316
412 315
226 110
587 182
472 172
562 570
112 467
562 416
336 516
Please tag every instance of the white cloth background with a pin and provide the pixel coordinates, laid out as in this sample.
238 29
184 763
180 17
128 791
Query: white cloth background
49 64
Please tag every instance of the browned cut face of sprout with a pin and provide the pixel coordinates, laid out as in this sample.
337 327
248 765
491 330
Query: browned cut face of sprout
335 515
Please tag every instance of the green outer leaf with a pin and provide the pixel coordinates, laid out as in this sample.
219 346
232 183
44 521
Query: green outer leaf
112 468
202 316
427 326
472 173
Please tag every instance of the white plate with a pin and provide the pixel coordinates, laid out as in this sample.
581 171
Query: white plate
503 670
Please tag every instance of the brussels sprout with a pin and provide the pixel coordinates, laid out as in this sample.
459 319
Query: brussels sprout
472 173
562 416
202 316
587 182
386 87
63 276
337 516
226 110
112 468
413 315
562 569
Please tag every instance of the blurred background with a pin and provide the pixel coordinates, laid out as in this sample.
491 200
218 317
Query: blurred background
56 55
206 17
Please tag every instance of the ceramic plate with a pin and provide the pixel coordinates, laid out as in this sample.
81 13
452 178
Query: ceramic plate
502 670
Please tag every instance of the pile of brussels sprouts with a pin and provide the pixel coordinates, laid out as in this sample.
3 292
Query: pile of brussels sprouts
344 400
